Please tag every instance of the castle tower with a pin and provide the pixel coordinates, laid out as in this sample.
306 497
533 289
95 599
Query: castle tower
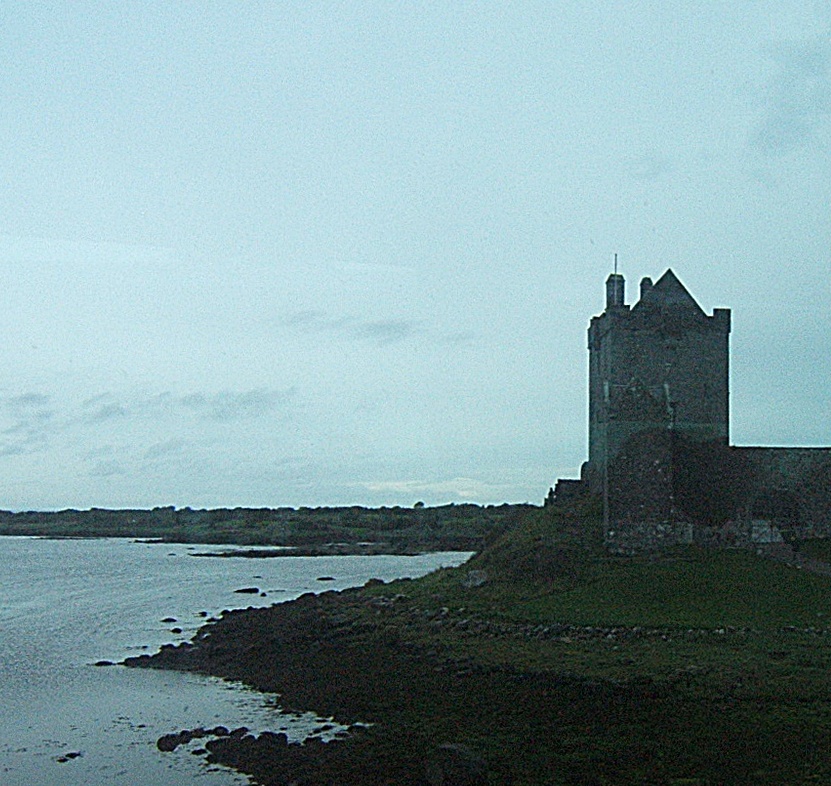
657 369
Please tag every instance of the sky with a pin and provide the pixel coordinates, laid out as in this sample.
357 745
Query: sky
335 253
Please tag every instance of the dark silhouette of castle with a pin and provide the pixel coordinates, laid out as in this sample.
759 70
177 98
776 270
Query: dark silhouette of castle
659 452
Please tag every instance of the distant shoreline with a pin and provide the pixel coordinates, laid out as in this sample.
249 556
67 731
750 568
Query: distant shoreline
305 531
252 552
326 550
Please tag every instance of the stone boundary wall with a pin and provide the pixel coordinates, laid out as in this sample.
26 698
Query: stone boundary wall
629 538
802 474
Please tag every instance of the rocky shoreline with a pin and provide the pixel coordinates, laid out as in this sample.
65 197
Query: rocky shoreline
426 685
321 652
418 713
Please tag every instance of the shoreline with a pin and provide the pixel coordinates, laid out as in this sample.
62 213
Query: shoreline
455 684
355 529
365 549
318 653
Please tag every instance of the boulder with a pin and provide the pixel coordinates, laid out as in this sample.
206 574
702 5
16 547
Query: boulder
474 578
169 742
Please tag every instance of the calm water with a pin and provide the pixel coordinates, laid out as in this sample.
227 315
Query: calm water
65 604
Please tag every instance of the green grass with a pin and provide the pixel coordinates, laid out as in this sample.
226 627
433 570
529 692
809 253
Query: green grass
691 588
537 573
727 683
818 548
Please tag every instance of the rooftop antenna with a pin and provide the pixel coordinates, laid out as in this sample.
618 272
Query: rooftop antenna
615 264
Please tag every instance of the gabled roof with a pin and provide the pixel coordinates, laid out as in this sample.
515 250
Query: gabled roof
669 292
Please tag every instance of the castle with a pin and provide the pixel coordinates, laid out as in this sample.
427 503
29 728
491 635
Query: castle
659 452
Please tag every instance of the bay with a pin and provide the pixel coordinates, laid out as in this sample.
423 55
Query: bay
66 604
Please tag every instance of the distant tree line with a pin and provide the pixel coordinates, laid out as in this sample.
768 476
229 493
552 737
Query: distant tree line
454 526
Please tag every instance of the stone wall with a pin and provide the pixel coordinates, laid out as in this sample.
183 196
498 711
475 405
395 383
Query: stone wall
636 537
664 489
789 486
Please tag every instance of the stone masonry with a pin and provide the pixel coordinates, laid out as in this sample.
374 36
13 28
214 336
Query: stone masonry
659 453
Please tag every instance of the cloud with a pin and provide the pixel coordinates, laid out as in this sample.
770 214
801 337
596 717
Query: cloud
647 167
28 401
380 332
17 447
385 331
107 469
31 422
797 98
227 405
163 449
312 320
457 488
104 412
245 405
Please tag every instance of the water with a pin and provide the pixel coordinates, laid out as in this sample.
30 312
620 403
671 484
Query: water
65 604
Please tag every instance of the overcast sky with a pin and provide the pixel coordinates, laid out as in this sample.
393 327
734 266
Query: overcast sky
325 253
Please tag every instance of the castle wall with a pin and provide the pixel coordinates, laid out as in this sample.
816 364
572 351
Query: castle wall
790 487
664 490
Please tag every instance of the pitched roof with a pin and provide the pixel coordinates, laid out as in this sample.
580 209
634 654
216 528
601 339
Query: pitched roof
668 291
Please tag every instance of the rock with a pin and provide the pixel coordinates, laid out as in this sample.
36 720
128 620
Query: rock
169 742
325 578
169 619
453 764
175 630
104 663
474 578
248 591
274 739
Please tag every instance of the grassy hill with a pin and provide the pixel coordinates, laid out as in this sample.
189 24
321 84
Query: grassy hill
717 663
541 571
554 661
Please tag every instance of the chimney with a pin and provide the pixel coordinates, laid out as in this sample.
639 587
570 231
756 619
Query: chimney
615 286
646 285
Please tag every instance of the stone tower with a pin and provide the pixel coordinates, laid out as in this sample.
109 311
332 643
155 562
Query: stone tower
657 370
659 451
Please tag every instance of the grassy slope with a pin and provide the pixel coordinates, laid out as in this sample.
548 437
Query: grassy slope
733 652
538 574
